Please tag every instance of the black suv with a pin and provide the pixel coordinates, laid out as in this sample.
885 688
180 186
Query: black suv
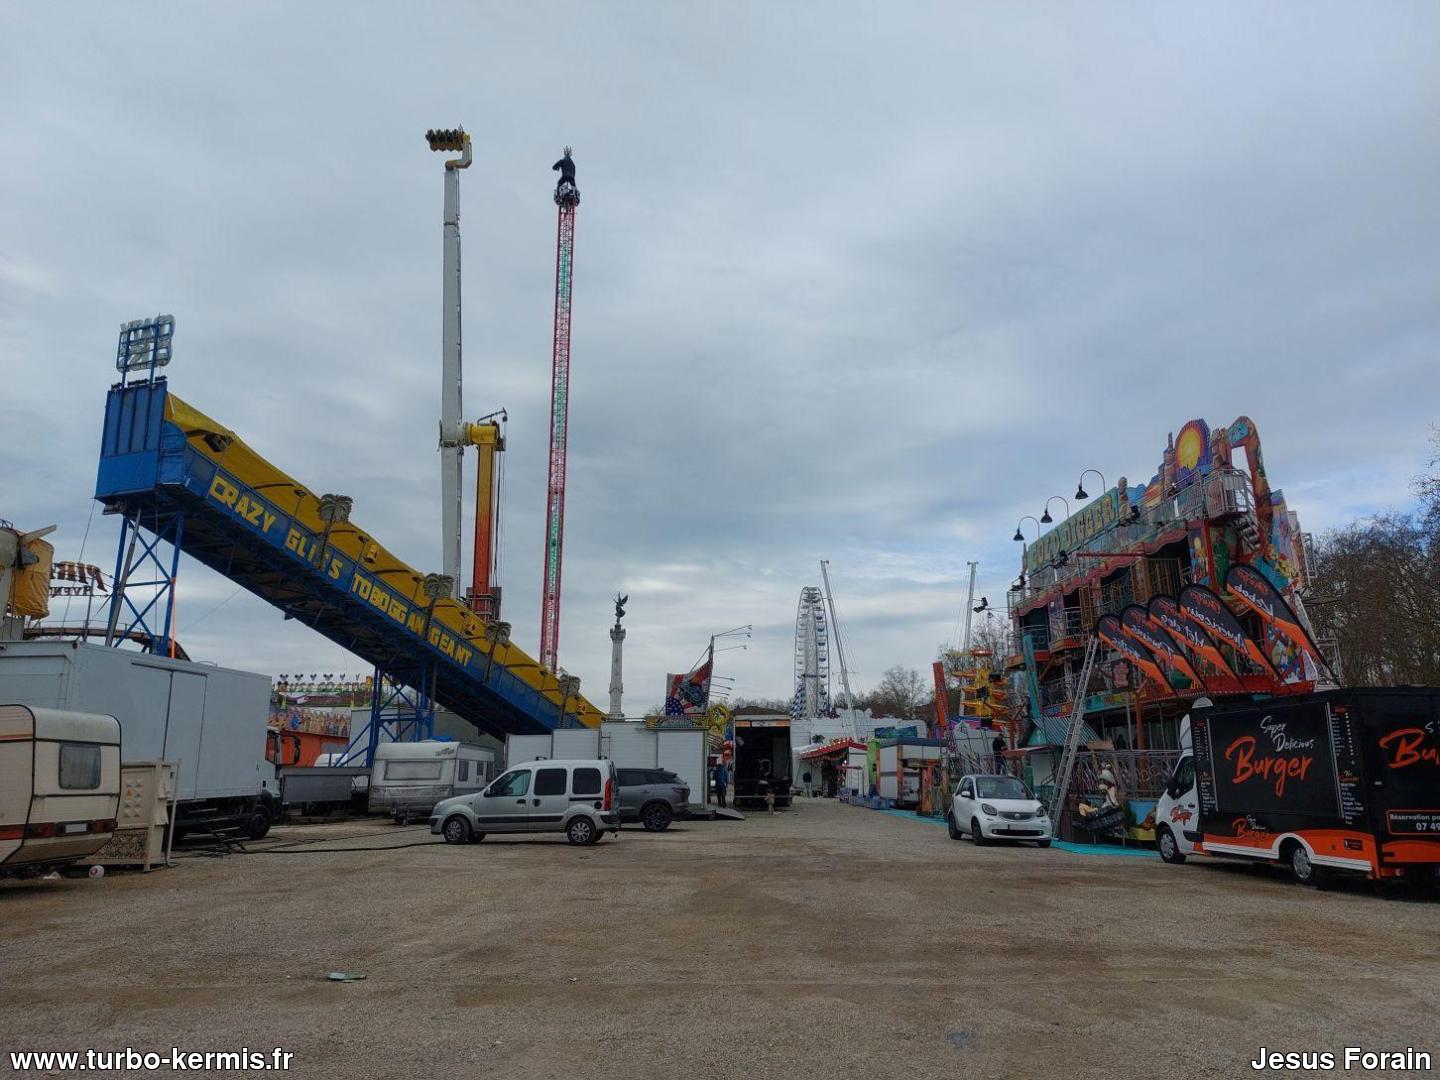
653 797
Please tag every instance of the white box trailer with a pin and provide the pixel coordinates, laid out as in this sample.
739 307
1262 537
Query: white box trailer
209 720
629 744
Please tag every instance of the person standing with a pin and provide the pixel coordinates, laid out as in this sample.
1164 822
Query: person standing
720 777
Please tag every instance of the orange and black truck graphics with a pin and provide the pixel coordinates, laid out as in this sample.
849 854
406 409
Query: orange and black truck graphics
1353 774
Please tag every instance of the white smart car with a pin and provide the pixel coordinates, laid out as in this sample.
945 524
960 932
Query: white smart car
997 808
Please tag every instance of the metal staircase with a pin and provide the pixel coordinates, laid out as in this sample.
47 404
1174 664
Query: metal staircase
1074 729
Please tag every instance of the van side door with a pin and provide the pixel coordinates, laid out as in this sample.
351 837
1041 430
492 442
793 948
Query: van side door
550 796
504 806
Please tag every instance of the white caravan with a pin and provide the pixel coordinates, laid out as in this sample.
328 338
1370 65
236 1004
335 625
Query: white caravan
59 786
409 778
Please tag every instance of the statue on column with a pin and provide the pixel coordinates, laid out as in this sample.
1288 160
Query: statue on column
617 640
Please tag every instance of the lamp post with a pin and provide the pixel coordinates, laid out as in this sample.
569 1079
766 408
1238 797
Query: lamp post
1019 537
1045 518
734 630
1080 494
497 634
569 689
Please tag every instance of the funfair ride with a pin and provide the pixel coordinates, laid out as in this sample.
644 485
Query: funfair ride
567 198
812 663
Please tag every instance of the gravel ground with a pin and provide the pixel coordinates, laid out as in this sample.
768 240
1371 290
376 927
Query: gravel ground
827 941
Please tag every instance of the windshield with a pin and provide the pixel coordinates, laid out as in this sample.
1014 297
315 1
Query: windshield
1001 787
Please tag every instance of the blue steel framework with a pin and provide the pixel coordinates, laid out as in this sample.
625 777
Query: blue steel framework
151 476
130 569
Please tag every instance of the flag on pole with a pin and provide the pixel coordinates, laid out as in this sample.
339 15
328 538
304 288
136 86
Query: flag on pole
687 695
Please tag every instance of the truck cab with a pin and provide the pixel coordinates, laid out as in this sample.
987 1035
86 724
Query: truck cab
1177 813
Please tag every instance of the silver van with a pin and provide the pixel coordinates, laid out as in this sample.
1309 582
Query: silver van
576 797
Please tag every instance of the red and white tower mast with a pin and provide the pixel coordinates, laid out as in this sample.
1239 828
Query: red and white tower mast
567 198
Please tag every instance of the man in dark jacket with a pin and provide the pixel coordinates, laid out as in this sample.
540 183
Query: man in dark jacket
720 777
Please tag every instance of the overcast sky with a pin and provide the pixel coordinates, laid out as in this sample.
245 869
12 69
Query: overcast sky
864 282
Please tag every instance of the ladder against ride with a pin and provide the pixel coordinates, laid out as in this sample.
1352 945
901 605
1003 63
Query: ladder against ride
1074 728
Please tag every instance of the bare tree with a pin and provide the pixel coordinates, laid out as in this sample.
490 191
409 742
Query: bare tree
1378 586
901 693
760 702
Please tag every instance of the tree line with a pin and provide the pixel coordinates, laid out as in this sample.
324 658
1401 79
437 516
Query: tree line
1376 590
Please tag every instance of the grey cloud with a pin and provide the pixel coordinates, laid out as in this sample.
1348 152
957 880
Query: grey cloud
857 282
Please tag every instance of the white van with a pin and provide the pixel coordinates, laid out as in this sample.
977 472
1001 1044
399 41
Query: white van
408 778
577 798
59 786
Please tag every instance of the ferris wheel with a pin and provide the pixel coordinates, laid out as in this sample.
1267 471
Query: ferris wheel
812 657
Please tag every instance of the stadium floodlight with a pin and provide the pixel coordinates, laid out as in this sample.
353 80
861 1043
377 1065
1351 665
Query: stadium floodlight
145 343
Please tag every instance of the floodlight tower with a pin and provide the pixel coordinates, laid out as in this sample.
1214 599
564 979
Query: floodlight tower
454 434
567 198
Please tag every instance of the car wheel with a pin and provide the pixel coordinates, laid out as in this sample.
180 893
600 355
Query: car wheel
955 833
1303 867
656 817
581 830
258 823
456 830
975 834
1169 847
1042 843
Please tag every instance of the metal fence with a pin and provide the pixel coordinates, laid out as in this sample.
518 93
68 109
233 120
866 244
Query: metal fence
1140 774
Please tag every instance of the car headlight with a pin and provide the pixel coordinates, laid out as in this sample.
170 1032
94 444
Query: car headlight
987 808
1040 812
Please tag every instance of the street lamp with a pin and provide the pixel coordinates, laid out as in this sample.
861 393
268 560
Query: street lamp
1045 518
1080 493
1019 537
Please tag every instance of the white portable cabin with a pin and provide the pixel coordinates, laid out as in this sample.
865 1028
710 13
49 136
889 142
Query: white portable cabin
630 744
897 767
59 785
409 778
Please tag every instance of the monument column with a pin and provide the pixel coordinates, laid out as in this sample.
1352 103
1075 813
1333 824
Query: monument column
617 645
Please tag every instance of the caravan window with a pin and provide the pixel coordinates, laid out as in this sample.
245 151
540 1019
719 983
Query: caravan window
412 770
464 774
79 766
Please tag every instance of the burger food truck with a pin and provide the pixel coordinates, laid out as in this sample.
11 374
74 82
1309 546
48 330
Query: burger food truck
1344 780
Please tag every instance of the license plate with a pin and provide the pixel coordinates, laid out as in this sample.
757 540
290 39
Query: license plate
73 827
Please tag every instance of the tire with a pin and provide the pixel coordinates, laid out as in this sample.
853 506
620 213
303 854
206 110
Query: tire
456 830
976 836
657 817
955 833
1169 846
581 831
257 824
1042 843
1303 868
